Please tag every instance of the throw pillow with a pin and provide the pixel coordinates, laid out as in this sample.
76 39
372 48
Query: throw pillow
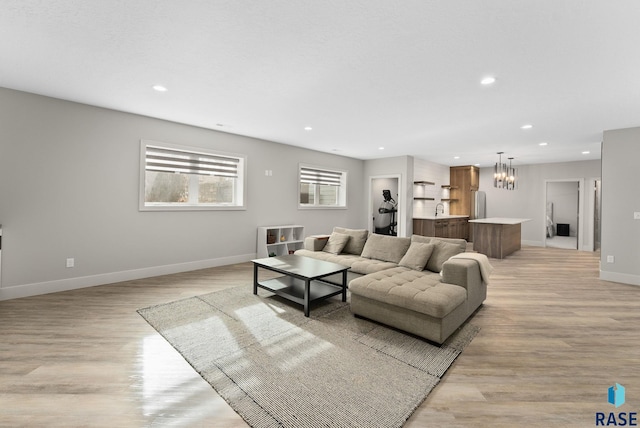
357 241
385 247
336 243
459 242
420 238
417 256
442 252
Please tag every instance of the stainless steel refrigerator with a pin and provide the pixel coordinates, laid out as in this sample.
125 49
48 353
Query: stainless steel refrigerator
478 204
478 208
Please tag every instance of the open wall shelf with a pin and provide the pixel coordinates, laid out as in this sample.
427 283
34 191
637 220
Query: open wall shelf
423 183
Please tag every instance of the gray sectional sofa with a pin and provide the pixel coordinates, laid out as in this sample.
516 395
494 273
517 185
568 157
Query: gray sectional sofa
425 286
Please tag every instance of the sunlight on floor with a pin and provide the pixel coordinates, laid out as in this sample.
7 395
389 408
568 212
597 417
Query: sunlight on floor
170 385
262 320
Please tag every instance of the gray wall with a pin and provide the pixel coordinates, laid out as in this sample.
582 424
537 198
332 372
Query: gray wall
69 177
69 188
528 201
620 199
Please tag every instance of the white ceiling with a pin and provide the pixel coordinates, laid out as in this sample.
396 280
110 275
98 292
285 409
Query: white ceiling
363 73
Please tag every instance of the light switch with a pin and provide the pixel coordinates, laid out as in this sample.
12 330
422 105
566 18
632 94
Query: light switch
636 215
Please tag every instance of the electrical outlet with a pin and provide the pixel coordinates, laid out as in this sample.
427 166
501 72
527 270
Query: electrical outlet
71 262
610 259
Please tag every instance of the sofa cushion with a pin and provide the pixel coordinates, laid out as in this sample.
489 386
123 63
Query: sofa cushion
442 252
417 256
407 288
357 241
366 266
386 248
343 259
336 243
427 239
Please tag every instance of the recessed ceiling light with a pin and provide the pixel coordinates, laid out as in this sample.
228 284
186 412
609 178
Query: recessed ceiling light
488 80
380 148
456 157
586 152
526 126
159 88
308 128
543 144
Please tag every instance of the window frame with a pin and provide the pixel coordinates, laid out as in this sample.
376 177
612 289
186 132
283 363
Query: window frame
342 193
240 191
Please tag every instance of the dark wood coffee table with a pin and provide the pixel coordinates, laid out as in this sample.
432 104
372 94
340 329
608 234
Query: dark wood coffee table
302 281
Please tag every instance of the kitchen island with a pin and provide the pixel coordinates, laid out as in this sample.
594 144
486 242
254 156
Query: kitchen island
497 237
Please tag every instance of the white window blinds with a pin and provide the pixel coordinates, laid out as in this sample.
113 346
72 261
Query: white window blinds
320 176
178 161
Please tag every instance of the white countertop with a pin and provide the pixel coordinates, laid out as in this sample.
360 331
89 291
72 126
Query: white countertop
439 216
500 220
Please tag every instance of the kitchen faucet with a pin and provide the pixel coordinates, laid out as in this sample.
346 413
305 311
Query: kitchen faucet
440 205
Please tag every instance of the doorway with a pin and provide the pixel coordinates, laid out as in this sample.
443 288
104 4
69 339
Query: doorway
562 215
384 196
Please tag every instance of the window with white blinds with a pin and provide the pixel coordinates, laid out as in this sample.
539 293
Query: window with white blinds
186 178
321 187
185 162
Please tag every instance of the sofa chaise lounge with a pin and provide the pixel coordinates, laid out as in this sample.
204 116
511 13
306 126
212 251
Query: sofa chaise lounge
422 285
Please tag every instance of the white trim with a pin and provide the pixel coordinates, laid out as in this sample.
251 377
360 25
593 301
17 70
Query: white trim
620 277
321 207
38 288
590 245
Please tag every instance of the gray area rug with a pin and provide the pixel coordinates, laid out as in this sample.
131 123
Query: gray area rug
275 367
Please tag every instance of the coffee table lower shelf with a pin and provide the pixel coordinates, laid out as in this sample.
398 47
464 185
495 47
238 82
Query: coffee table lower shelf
293 289
303 281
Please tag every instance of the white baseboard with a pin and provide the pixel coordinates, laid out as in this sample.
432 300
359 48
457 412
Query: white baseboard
623 278
542 244
36 289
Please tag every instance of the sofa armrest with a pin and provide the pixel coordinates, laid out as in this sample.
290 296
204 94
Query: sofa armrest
462 272
315 243
466 273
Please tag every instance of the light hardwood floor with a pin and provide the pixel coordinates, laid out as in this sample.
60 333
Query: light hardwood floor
553 339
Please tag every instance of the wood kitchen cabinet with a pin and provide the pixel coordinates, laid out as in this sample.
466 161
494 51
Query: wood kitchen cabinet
442 227
464 180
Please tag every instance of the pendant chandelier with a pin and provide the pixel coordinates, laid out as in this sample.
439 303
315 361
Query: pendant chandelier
505 177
